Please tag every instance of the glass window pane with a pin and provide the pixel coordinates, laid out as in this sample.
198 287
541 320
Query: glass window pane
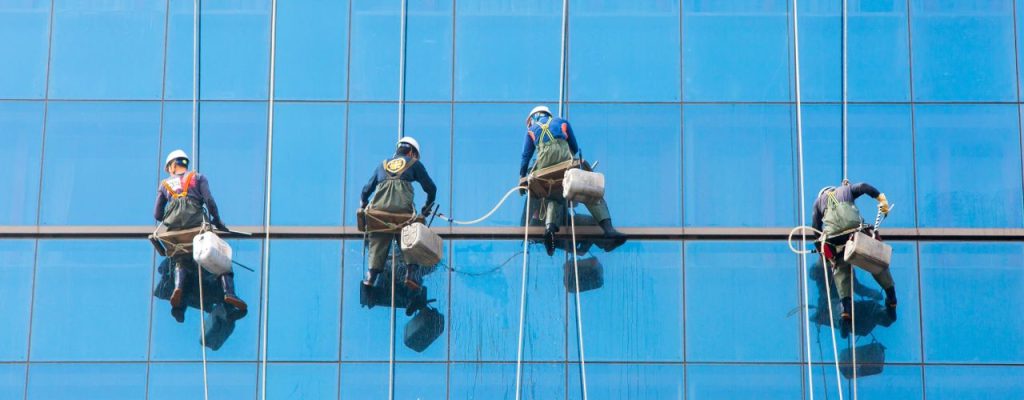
820 50
87 381
365 333
743 381
493 38
173 381
431 125
312 56
421 381
738 165
239 339
653 328
302 381
233 154
16 262
305 300
308 188
229 71
974 382
720 318
83 137
958 149
498 381
364 381
375 45
636 196
428 54
21 127
962 321
963 51
612 44
29 22
881 152
128 64
480 176
628 381
486 302
12 381
896 382
823 151
900 338
98 289
878 64
736 50
373 134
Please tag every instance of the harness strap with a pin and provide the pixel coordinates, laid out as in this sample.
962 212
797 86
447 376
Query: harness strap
185 183
397 173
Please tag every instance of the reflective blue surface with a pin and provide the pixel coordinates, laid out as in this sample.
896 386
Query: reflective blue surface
629 381
230 132
894 382
305 297
497 381
12 381
185 380
79 381
308 189
963 51
429 50
30 23
973 383
954 278
958 149
21 126
305 29
373 69
881 142
16 260
302 381
742 381
80 163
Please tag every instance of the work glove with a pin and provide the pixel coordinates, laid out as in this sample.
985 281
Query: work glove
883 204
522 191
220 226
425 211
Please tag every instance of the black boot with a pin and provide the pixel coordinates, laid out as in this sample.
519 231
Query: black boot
371 278
549 239
617 238
177 296
412 279
228 283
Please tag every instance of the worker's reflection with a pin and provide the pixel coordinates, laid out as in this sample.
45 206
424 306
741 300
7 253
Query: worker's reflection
870 312
427 323
220 322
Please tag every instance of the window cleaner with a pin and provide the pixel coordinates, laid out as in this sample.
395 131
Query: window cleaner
839 220
182 203
392 206
554 143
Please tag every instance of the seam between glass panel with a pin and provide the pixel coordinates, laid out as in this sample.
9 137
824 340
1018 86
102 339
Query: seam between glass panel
39 203
451 206
502 102
913 151
344 195
920 314
1016 64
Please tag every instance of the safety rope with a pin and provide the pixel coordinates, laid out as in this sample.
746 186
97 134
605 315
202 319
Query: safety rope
561 63
579 307
800 183
391 347
522 301
265 297
196 9
844 62
488 214
853 309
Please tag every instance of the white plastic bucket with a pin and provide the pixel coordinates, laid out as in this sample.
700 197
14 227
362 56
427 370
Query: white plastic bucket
867 253
212 253
420 245
582 186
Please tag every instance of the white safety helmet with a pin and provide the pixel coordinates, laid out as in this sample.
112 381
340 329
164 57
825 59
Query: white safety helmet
826 189
411 142
174 155
537 109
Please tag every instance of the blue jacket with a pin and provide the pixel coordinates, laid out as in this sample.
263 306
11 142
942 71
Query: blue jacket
560 129
202 195
416 173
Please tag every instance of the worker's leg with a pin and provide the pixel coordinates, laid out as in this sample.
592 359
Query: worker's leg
181 275
227 282
843 274
379 244
884 280
599 210
553 210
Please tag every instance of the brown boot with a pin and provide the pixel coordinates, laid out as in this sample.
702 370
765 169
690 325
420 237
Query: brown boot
228 283
177 308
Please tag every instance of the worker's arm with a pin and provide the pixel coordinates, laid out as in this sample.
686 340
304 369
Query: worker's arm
570 137
420 175
211 205
161 202
368 189
528 149
816 217
860 189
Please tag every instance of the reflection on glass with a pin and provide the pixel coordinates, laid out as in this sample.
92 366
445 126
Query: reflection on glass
220 321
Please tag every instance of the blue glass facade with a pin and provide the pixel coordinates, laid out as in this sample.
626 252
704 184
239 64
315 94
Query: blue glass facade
688 104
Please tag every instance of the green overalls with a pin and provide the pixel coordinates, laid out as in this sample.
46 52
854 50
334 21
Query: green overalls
182 212
393 195
839 217
551 152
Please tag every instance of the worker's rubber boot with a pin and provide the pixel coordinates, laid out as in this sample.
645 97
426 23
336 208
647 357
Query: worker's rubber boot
371 278
412 278
227 281
615 237
845 309
549 239
177 296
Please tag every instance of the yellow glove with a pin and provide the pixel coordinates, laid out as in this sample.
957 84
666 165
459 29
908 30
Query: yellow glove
883 204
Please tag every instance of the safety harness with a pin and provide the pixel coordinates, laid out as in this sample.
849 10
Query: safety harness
392 205
182 211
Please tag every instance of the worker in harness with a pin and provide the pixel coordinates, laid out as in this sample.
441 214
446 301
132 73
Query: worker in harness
391 187
554 142
834 214
180 202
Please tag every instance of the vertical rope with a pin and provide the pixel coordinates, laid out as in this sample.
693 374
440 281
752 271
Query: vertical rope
564 55
401 70
265 300
853 272
522 299
853 330
196 9
800 184
391 346
831 324
579 307
403 29
844 61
